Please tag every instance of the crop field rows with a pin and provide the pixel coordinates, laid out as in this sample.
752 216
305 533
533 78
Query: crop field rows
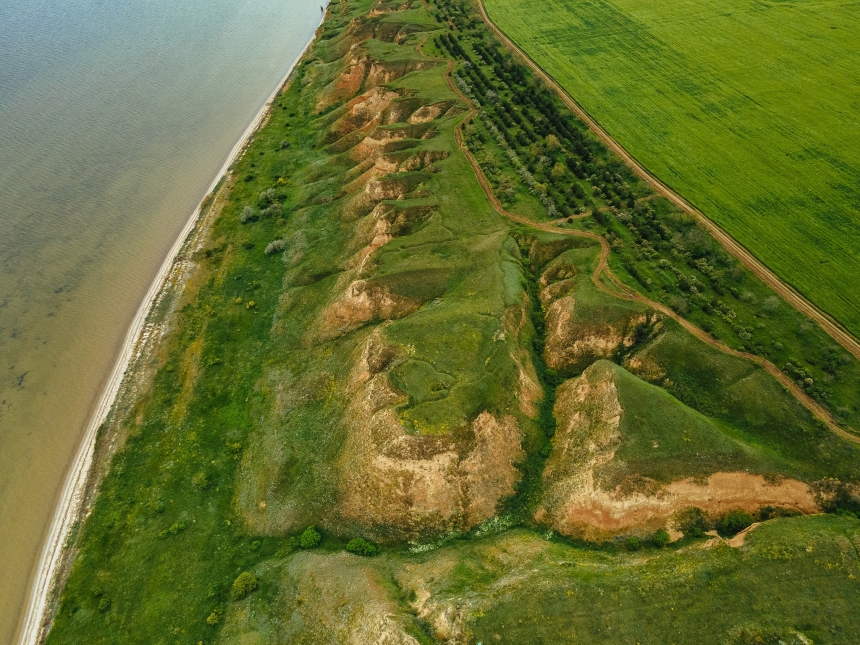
746 109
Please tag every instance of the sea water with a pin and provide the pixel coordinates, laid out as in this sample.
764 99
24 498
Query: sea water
114 119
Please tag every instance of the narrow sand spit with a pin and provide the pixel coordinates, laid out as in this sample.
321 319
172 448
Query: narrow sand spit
71 498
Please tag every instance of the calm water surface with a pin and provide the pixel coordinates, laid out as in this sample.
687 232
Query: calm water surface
114 119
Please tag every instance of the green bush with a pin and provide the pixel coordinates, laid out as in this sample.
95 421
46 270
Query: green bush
734 522
267 196
243 585
175 528
275 246
248 215
632 543
360 546
200 481
310 538
661 539
693 522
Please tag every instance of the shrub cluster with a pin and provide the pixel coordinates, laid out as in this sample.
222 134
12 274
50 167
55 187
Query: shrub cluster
245 584
310 538
360 546
275 246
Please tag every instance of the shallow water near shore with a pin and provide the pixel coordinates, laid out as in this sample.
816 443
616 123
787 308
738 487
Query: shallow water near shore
114 119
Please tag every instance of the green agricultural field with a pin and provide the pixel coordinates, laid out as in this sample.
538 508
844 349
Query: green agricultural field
748 109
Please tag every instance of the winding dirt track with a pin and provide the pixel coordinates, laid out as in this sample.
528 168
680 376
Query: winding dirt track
624 291
824 320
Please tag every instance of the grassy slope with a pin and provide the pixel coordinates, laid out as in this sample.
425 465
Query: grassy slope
665 440
744 108
657 250
742 418
697 596
794 575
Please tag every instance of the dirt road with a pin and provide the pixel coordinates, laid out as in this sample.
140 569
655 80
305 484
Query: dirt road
824 320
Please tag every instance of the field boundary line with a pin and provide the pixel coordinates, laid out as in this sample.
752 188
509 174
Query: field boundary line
830 325
627 293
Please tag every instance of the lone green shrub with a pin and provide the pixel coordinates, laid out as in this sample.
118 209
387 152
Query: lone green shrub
693 522
734 522
310 538
267 196
243 585
632 543
276 246
360 546
200 481
175 528
661 539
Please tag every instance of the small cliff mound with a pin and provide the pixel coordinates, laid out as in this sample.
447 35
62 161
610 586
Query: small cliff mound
362 302
627 455
575 339
321 598
363 72
397 484
362 112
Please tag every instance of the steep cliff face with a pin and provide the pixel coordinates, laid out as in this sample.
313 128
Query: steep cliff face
594 428
587 433
580 331
406 485
574 342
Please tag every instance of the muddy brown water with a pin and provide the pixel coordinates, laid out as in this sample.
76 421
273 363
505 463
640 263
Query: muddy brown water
114 119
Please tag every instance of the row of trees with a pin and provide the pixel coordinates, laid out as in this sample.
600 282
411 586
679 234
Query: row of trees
551 146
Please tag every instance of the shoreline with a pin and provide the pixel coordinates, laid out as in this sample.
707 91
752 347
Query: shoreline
70 504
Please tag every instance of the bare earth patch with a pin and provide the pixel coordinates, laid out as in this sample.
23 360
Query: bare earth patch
589 414
723 492
401 484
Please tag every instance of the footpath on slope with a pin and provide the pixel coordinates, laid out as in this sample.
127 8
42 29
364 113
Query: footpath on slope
626 292
832 327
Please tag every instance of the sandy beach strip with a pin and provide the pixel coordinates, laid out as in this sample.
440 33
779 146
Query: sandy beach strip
71 499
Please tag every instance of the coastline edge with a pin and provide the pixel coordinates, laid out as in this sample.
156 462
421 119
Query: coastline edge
32 630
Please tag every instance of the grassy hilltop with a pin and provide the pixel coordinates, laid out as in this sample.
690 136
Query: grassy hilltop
747 109
407 399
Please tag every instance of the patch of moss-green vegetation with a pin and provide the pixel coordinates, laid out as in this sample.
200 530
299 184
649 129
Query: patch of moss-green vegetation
794 581
750 405
664 440
520 588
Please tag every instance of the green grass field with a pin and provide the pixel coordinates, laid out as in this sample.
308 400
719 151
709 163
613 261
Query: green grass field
748 109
